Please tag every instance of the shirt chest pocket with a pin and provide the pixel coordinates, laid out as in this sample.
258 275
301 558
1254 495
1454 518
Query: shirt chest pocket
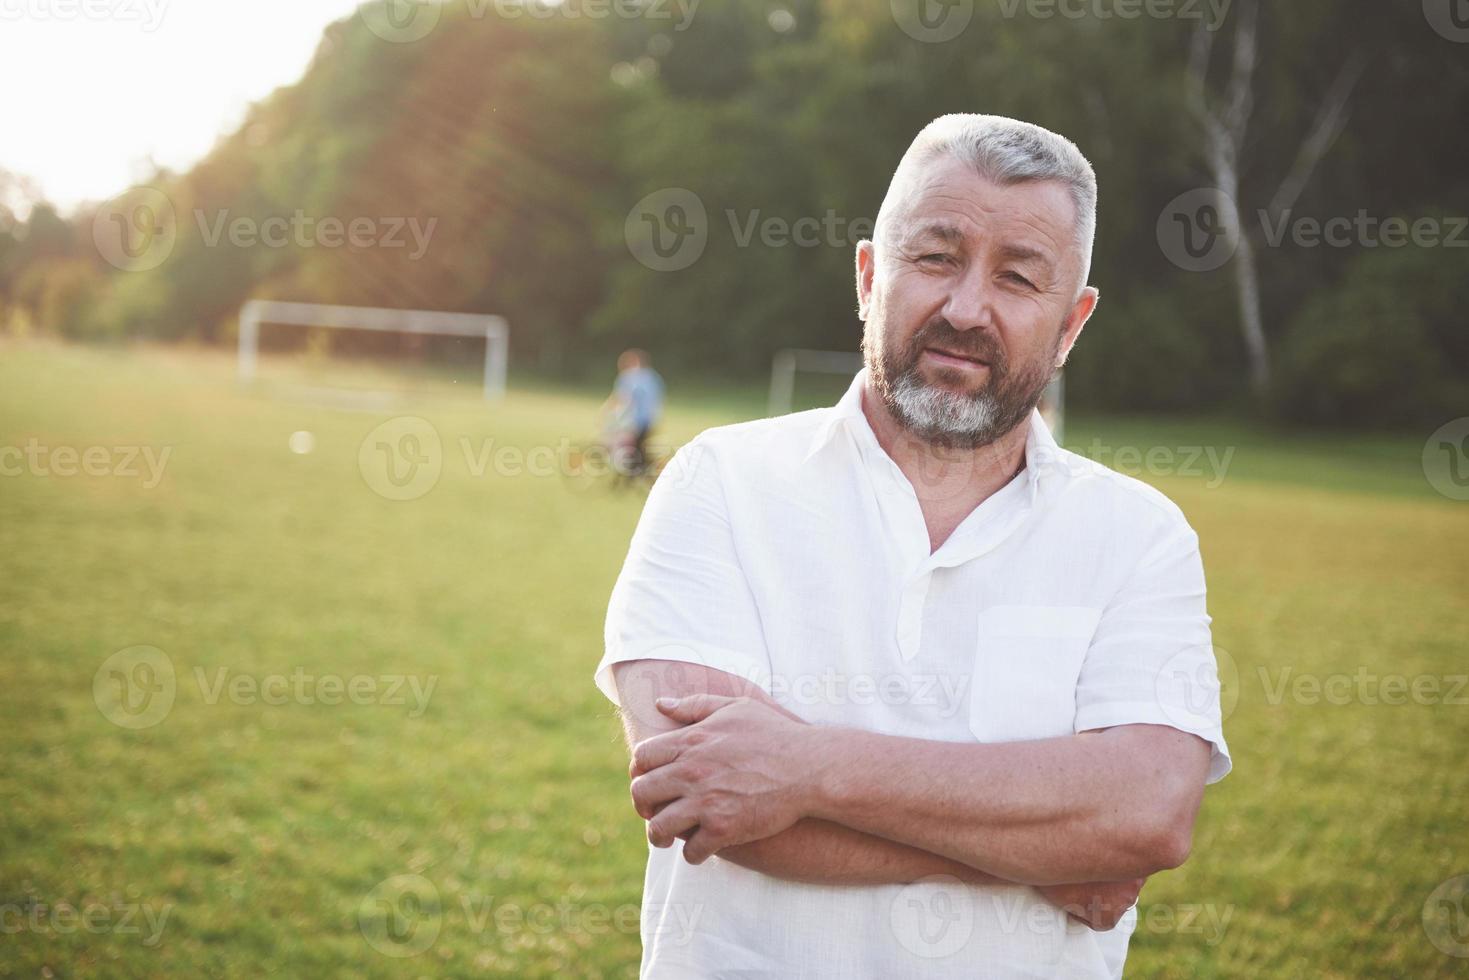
1027 663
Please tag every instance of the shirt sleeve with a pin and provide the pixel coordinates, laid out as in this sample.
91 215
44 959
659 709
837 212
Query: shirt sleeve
682 594
1151 660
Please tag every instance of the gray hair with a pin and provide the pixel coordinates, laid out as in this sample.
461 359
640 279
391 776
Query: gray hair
1006 151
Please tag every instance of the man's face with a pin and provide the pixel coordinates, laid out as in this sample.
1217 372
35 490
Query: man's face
969 300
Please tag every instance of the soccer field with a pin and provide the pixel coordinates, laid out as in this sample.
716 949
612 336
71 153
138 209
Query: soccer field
384 756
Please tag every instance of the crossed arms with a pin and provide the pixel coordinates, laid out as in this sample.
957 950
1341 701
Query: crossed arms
1084 818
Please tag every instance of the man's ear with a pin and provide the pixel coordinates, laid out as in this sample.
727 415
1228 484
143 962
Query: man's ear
1086 305
866 265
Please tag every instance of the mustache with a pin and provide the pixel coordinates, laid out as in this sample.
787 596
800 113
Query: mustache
939 332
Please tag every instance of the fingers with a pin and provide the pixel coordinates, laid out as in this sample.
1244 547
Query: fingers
662 749
651 753
695 707
674 820
681 819
700 847
652 790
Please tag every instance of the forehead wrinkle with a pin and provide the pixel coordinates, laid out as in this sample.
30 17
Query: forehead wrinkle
945 231
950 233
932 206
1030 217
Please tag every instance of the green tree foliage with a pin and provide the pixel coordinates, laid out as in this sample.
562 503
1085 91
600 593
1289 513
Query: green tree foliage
524 142
1384 346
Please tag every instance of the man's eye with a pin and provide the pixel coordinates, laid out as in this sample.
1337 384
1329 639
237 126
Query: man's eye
1019 280
933 257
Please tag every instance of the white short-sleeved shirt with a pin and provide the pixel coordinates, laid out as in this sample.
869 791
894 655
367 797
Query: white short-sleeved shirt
792 552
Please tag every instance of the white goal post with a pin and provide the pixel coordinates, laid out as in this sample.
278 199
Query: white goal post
1053 406
787 362
492 328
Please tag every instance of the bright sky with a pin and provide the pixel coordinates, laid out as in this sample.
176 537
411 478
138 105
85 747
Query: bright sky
91 89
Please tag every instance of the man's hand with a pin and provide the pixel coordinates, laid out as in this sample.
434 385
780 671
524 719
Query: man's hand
737 773
1099 905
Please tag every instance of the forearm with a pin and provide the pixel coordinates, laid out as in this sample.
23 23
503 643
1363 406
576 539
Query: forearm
810 851
1097 807
819 852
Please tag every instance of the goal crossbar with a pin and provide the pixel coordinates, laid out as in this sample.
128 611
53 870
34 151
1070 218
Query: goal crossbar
493 328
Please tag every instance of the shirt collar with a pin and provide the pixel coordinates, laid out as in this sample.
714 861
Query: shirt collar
1045 461
844 412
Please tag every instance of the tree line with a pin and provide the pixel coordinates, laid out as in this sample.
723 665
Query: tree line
1281 226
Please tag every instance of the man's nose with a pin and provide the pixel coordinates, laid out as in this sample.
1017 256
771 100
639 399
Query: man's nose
969 302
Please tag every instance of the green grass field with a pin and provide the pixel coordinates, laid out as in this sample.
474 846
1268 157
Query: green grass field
236 837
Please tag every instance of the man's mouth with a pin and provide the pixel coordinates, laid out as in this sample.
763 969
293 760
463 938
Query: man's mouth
953 359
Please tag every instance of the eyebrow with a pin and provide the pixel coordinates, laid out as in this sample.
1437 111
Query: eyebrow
942 230
1024 253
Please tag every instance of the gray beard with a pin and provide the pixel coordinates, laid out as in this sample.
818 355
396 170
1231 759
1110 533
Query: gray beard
943 418
953 420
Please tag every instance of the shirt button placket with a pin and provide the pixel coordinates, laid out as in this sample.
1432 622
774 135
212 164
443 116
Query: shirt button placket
910 615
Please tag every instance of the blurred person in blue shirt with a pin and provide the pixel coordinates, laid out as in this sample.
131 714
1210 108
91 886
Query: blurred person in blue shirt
637 401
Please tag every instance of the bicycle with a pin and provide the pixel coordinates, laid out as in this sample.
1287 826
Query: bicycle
610 461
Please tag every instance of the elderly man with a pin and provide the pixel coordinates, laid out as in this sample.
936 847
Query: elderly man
911 690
